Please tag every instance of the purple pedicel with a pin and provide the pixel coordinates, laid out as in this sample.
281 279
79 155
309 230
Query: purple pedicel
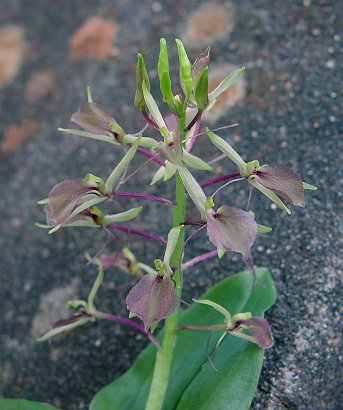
199 258
150 121
219 179
194 136
128 322
143 196
148 154
137 232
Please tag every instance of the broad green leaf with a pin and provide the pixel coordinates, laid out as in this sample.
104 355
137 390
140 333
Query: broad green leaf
20 404
193 382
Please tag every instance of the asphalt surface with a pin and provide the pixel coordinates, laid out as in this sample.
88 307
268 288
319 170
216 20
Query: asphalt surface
290 114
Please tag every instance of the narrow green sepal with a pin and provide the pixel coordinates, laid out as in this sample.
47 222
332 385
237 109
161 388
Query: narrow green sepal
226 149
309 186
195 161
153 327
225 84
146 142
86 134
159 174
89 94
217 307
201 90
116 174
43 201
269 194
43 226
261 229
122 216
173 237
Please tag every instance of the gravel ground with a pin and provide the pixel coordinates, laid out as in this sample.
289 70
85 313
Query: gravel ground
289 113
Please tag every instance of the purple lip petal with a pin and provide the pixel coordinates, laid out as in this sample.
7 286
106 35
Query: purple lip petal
92 118
260 330
137 232
283 181
143 196
152 299
232 229
219 179
131 323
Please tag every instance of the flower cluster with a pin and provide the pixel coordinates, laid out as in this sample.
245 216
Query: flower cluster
157 293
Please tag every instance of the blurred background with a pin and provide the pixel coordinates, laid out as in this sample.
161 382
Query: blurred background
288 105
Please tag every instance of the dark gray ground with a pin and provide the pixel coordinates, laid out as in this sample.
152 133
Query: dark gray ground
290 115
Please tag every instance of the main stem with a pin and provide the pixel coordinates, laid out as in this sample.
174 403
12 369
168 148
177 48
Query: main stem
165 354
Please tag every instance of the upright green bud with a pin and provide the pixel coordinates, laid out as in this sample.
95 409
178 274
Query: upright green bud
201 90
163 73
185 70
141 75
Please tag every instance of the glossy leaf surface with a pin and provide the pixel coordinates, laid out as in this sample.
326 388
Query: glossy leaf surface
19 404
193 382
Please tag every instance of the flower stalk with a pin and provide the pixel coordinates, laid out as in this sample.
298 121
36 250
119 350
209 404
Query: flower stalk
164 356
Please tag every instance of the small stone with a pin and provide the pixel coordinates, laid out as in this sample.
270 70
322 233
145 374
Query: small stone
207 24
331 64
93 39
12 52
156 7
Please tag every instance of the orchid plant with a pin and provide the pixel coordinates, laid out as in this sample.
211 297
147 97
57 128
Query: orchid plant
167 141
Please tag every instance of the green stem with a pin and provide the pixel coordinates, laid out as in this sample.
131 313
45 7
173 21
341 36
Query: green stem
164 356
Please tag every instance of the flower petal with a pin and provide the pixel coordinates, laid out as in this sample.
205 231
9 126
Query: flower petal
92 118
260 331
232 229
63 199
283 181
153 298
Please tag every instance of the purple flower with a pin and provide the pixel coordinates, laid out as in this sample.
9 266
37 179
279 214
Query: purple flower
231 229
92 118
70 198
63 326
124 260
259 330
153 298
280 180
